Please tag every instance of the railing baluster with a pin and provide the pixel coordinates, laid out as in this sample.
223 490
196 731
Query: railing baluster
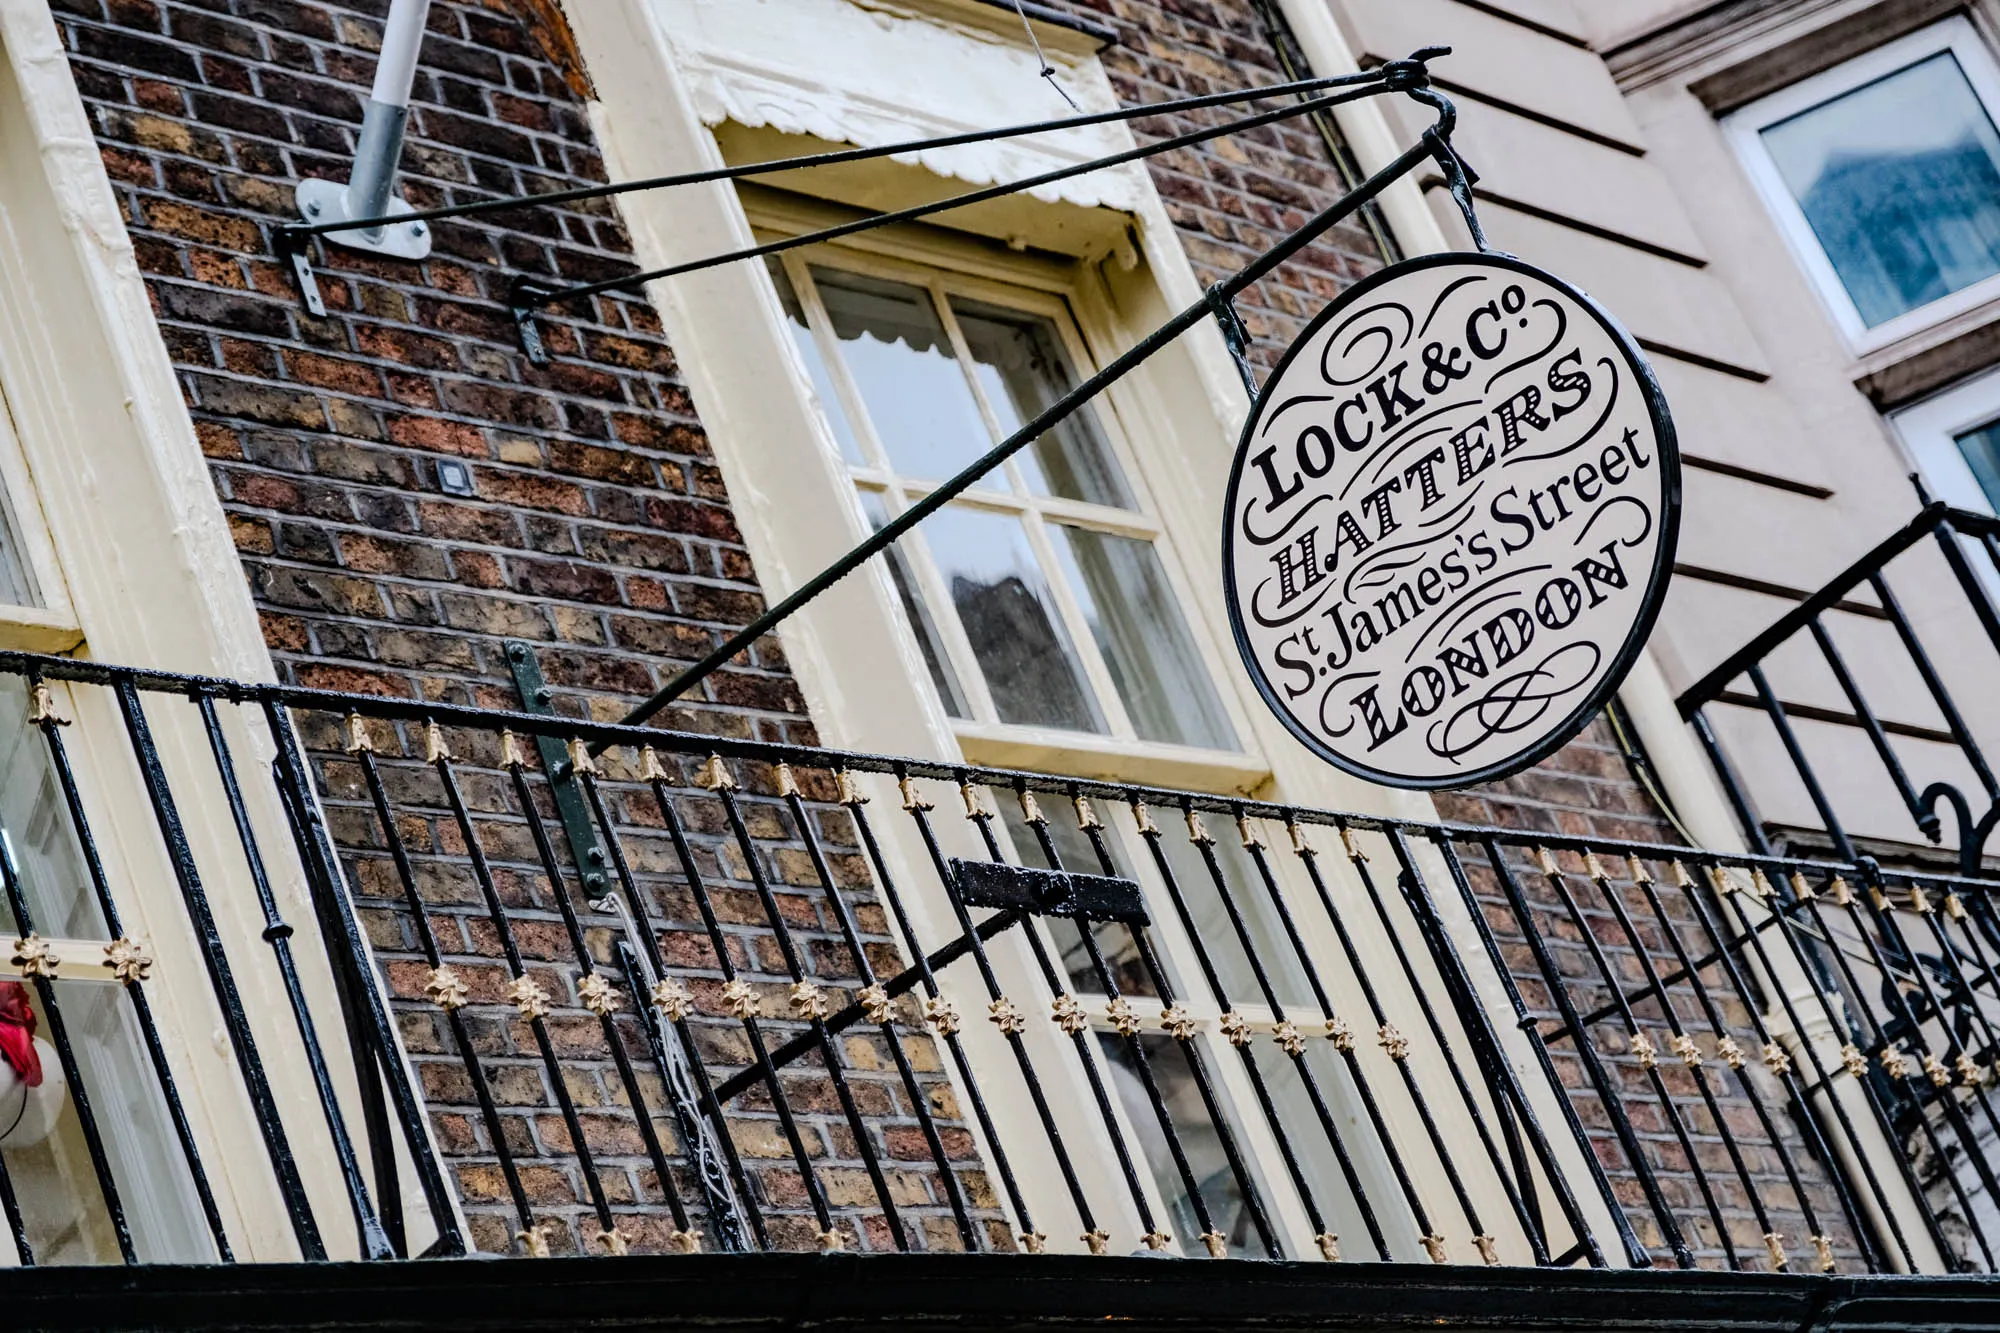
445 989
1127 1025
222 980
1155 1238
865 973
742 1004
1531 1029
1921 659
945 1019
597 996
43 716
370 1033
853 799
79 1091
1927 823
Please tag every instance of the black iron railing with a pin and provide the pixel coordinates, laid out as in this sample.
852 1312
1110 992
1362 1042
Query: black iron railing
838 1001
1858 721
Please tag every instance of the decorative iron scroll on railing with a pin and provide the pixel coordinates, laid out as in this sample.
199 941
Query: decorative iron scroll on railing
839 1001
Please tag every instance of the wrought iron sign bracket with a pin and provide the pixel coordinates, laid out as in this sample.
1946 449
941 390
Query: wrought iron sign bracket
536 697
523 297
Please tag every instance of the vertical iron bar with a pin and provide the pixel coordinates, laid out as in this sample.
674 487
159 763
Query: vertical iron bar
1094 1237
853 799
1790 740
1921 659
79 1092
1531 1029
221 980
380 1235
600 1000
865 972
1155 1238
1732 784
371 1033
725 789
1560 883
142 1009
742 1002
1127 1025
1925 822
710 1153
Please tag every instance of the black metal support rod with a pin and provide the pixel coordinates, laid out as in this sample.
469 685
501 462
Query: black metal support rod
745 1013
864 971
142 1009
642 1114
1372 79
1808 1124
1477 1028
1586 1240
1783 724
1920 658
1689 1054
1944 529
372 1036
887 534
920 972
1864 1235
981 818
222 981
1086 932
529 294
864 1142
1899 1002
1601 1082
372 1229
1421 995
919 810
1732 784
710 1152
79 1090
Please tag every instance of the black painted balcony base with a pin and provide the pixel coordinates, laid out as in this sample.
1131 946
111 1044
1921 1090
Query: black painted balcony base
969 1292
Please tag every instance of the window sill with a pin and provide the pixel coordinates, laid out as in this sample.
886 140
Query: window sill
1085 756
29 629
1935 356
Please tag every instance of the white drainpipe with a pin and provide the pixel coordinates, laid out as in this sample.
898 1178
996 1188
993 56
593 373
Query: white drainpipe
370 189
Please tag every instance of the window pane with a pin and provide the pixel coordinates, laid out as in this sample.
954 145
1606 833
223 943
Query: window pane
1198 1138
1003 601
935 657
1900 180
1021 366
1144 638
1114 938
902 363
809 352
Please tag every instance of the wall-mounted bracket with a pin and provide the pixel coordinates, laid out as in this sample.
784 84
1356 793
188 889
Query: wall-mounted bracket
294 248
536 697
523 298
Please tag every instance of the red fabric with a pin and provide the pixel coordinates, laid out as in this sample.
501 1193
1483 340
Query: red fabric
17 1033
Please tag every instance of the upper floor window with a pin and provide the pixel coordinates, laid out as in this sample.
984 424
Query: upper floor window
1045 597
1885 174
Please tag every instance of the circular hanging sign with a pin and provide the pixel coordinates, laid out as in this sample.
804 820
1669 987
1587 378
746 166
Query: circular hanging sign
1451 521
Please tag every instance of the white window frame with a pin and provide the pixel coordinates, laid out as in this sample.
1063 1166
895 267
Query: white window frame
1032 290
1929 432
1744 130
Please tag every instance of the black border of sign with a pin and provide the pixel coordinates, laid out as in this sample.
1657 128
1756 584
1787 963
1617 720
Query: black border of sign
1656 588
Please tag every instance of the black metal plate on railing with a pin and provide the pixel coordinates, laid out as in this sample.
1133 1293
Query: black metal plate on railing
1049 892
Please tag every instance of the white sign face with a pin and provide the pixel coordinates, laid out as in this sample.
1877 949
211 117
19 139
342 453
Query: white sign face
1451 521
